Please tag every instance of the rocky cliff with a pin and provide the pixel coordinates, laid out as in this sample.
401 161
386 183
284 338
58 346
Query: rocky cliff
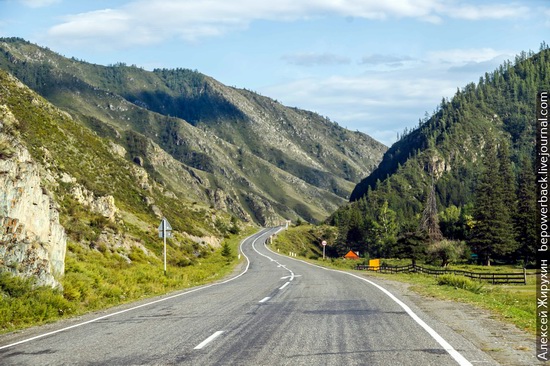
32 241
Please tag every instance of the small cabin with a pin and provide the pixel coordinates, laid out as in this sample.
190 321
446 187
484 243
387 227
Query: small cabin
351 255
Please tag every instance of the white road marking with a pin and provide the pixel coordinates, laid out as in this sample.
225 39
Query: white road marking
260 234
209 339
292 275
265 299
285 277
457 356
285 285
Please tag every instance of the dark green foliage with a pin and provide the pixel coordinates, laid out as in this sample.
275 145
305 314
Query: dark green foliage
525 219
411 244
226 251
493 234
190 97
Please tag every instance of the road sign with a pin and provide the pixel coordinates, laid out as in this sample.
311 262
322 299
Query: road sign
324 242
165 229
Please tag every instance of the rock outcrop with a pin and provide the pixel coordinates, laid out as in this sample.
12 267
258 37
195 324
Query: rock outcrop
32 241
103 205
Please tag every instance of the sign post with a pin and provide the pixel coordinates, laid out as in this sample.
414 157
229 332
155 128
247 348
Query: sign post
324 245
165 231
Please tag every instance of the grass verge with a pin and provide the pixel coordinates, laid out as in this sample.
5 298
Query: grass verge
94 280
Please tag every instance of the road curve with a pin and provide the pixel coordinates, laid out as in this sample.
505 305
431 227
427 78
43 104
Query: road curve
277 311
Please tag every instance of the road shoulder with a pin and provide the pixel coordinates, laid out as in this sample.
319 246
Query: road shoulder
501 341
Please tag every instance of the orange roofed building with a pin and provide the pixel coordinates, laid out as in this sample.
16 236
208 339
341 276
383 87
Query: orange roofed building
351 255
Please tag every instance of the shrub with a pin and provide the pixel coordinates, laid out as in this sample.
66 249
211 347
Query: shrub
6 150
226 251
447 251
460 282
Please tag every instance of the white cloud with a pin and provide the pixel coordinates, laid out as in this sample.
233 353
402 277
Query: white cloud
463 56
379 104
145 22
39 3
386 60
316 59
493 11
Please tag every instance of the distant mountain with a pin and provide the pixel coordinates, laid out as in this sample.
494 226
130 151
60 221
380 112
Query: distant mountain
229 148
451 149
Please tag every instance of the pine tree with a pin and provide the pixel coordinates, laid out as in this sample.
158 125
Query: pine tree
525 218
508 180
382 232
226 251
493 232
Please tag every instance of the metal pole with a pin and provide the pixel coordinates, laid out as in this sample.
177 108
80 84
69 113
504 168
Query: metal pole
324 252
164 236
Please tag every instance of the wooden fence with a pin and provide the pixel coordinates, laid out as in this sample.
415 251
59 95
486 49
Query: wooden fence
494 278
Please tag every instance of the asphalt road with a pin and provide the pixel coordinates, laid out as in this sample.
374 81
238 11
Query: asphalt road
277 311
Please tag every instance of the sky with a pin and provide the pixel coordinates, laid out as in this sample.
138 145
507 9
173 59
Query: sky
376 66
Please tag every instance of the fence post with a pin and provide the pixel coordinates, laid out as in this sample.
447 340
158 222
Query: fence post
524 276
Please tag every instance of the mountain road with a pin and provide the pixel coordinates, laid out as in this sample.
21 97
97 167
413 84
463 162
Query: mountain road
276 311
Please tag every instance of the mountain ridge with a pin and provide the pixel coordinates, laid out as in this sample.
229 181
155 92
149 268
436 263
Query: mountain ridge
231 140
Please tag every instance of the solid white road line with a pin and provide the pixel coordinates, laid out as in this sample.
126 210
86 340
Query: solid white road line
285 285
209 339
259 234
461 360
265 299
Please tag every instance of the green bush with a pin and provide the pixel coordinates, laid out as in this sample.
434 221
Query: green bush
460 282
23 303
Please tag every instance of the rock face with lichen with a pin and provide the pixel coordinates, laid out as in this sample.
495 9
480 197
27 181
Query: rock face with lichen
32 241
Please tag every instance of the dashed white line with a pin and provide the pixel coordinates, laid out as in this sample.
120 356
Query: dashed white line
458 357
209 339
265 299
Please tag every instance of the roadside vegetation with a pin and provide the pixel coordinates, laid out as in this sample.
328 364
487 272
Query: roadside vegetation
94 280
512 303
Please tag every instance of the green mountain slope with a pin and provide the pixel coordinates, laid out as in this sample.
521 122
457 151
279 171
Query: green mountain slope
451 149
100 198
226 147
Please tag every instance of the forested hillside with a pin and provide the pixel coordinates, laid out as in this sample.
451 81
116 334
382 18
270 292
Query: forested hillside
473 161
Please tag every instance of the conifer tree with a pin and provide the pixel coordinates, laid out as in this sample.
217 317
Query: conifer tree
493 232
525 218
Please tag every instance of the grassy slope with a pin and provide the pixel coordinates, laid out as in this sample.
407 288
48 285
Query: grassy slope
96 280
102 272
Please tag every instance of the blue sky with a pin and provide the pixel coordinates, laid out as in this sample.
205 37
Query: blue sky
371 65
